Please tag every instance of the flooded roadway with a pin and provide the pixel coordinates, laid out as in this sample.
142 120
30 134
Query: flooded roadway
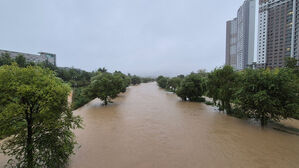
150 128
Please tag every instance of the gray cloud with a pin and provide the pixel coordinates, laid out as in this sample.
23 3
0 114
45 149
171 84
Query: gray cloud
143 37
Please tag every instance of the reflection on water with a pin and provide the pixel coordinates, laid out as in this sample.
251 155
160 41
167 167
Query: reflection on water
150 128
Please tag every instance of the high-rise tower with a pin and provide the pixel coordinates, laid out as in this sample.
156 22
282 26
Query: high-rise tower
277 32
245 37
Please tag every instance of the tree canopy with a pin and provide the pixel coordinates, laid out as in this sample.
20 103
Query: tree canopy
5 59
162 81
35 115
222 83
135 80
192 87
268 94
173 84
105 86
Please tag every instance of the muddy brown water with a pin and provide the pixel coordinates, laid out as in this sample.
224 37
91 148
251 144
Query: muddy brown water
150 128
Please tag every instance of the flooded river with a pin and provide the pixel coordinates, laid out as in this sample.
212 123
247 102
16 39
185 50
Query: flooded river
150 128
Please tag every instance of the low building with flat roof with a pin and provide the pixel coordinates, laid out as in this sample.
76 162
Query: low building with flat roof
42 57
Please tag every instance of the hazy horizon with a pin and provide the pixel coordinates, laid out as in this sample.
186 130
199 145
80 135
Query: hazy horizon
145 38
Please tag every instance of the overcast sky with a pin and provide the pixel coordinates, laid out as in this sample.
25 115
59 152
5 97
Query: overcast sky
143 37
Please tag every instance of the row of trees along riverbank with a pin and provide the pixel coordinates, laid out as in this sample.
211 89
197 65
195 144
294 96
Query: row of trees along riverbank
261 94
105 86
35 118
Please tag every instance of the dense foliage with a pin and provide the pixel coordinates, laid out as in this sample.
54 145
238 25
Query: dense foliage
267 94
107 86
5 59
173 84
135 80
79 97
35 115
221 85
192 88
189 88
147 79
260 94
162 81
125 81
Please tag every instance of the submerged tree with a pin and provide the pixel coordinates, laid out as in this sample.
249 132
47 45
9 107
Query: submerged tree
221 86
35 115
125 81
192 88
268 95
162 82
105 86
135 80
173 84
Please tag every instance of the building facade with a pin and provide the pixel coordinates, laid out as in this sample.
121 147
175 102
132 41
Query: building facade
277 32
245 37
43 56
231 43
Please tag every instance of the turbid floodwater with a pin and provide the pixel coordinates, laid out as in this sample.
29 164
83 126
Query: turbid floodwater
149 128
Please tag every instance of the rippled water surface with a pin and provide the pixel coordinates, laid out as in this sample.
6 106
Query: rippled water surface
150 128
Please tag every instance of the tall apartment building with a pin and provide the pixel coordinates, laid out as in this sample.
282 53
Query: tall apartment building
240 36
231 43
43 56
277 32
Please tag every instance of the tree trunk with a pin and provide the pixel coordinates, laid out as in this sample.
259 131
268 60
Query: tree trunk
228 108
263 120
222 106
106 101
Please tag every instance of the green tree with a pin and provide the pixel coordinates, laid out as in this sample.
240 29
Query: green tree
162 82
291 62
105 86
268 95
103 70
125 81
21 61
47 64
147 79
192 88
5 59
79 97
135 80
35 115
221 87
173 84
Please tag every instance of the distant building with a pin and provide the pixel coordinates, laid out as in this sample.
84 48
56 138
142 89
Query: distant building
278 32
231 43
240 37
43 56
